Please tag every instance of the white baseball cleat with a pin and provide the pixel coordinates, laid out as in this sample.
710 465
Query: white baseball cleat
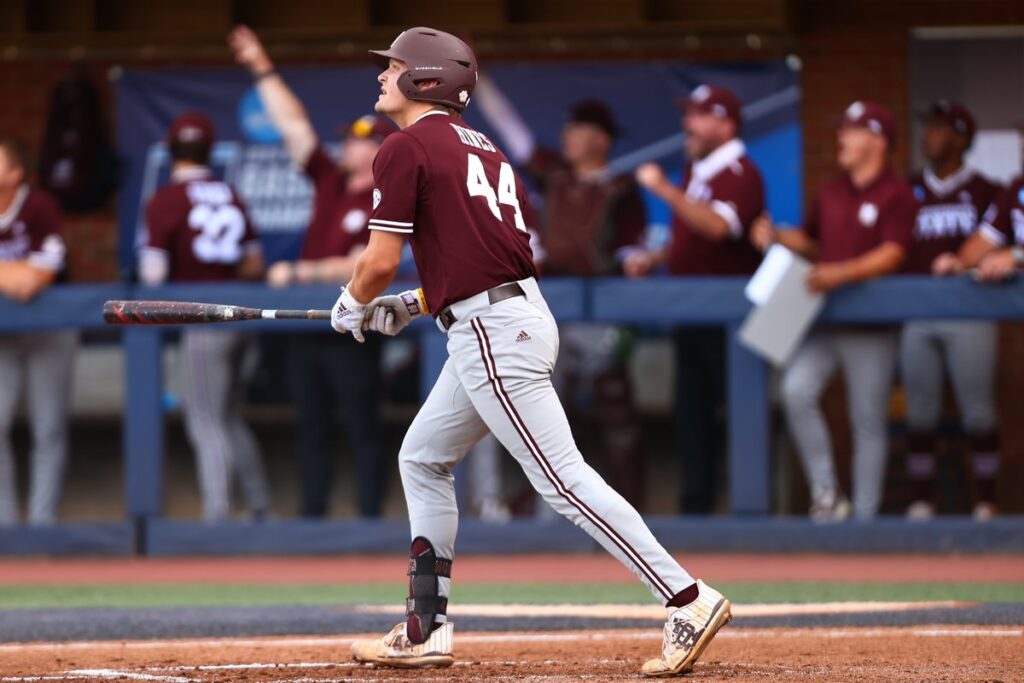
688 631
396 651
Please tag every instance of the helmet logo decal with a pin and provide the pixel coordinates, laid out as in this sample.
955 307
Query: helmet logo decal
463 96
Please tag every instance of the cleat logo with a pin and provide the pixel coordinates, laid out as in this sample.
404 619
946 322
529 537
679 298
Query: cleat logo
685 636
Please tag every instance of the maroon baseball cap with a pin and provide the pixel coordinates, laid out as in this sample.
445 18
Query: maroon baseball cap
191 127
716 100
873 116
368 126
953 113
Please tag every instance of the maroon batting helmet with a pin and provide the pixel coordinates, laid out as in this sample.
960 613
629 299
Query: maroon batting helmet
432 55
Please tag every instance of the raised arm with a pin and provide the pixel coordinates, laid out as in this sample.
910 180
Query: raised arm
502 116
285 110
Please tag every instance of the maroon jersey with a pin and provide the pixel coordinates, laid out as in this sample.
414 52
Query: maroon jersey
848 221
339 219
30 230
202 226
588 222
1003 223
729 182
456 196
950 211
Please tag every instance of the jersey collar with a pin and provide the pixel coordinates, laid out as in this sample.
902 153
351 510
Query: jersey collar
941 187
716 162
8 216
432 112
183 175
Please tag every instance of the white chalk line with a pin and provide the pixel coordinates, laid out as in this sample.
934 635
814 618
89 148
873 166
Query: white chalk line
342 641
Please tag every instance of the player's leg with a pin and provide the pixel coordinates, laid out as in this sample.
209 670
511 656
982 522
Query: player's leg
444 430
509 384
484 472
972 365
356 375
309 357
869 361
50 364
12 373
803 382
921 373
504 359
247 459
206 388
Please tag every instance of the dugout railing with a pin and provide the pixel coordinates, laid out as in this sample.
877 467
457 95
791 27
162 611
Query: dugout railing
657 302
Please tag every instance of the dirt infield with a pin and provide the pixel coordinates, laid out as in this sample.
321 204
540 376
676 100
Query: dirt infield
854 655
512 568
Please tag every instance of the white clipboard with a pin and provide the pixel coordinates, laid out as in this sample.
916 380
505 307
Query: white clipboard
784 309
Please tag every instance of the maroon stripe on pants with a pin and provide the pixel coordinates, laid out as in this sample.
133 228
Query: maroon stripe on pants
549 471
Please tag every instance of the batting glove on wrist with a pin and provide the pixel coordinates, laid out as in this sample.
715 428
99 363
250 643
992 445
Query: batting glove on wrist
391 314
347 315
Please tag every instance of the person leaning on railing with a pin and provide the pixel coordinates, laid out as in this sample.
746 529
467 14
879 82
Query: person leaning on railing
31 259
859 228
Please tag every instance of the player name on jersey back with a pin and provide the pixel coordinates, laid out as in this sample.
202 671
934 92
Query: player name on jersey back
474 139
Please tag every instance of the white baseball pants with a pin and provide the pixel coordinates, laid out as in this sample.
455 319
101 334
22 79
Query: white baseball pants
498 379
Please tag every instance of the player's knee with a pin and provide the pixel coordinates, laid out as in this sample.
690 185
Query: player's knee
797 392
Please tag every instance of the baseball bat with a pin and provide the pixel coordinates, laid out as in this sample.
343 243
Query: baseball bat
188 312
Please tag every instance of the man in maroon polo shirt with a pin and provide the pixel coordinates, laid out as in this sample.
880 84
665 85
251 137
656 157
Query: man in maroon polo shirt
198 230
953 199
331 377
859 228
37 365
721 195
454 195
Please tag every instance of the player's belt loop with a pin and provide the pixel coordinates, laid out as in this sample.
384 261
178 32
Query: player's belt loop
495 295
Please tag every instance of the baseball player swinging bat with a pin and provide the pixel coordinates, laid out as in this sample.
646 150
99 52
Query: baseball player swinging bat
188 312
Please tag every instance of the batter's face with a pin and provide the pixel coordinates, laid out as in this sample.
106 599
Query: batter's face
391 100
584 142
857 146
705 133
357 155
939 141
11 174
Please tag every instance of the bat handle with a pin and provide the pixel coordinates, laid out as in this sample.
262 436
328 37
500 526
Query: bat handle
279 314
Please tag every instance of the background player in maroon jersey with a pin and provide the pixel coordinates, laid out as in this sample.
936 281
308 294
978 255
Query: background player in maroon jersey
454 195
721 195
953 198
31 259
331 377
591 220
859 228
197 230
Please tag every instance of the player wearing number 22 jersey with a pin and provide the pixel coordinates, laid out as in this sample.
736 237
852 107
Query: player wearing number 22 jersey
197 230
447 189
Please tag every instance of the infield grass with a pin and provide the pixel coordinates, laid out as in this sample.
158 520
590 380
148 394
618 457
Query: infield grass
194 595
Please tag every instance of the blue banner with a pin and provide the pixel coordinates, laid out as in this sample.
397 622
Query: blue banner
248 154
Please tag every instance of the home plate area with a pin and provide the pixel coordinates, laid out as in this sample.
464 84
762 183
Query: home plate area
932 653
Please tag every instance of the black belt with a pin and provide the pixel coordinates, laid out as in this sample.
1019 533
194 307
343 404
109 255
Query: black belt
495 295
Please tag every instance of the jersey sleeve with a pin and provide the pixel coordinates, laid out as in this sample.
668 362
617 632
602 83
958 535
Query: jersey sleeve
996 224
159 224
812 221
738 198
321 168
398 171
896 221
542 164
46 246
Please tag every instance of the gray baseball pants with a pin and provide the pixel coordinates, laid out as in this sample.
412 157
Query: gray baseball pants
867 359
42 364
967 349
498 378
223 443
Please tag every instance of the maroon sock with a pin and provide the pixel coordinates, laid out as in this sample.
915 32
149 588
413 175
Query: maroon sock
684 597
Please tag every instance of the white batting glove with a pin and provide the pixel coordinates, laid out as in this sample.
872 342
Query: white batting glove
347 315
391 314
